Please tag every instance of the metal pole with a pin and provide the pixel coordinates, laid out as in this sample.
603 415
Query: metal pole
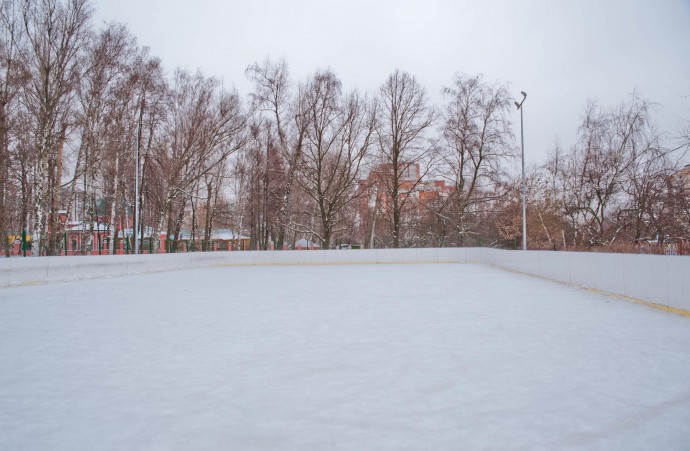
524 196
136 193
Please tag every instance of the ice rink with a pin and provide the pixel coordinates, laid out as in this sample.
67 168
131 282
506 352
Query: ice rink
358 357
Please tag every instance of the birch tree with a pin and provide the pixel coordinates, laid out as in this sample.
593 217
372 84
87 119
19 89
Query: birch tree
56 33
106 97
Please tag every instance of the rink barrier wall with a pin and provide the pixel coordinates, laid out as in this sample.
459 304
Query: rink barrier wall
661 280
657 279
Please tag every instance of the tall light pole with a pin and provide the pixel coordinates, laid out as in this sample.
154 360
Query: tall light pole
524 196
136 193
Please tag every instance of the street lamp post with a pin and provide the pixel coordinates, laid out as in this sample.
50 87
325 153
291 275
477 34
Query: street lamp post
524 196
136 193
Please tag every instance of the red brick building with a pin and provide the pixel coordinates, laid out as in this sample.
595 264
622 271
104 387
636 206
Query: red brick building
375 204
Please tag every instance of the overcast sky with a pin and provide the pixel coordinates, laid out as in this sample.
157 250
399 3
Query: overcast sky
561 53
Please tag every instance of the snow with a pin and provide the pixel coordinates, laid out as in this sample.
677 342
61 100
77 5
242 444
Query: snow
226 235
216 234
360 357
80 226
305 243
148 232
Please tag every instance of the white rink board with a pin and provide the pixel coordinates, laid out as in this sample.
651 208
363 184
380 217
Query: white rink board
656 279
353 357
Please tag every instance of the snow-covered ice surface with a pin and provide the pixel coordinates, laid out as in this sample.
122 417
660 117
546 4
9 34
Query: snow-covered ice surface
380 357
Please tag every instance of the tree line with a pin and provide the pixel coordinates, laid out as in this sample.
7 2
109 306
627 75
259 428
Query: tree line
301 158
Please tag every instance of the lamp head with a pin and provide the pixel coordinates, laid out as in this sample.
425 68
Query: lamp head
524 95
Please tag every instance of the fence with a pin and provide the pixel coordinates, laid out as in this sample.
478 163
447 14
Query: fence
21 246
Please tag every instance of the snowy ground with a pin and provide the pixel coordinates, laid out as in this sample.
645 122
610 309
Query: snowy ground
366 357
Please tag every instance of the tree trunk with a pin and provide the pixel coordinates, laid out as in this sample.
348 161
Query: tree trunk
113 207
55 187
207 222
39 189
4 156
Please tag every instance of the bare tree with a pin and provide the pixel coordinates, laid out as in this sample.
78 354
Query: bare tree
56 33
339 137
12 76
477 140
213 183
151 92
405 119
680 202
647 206
608 179
205 125
282 113
107 100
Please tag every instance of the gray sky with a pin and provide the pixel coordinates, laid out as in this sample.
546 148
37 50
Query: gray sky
561 53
